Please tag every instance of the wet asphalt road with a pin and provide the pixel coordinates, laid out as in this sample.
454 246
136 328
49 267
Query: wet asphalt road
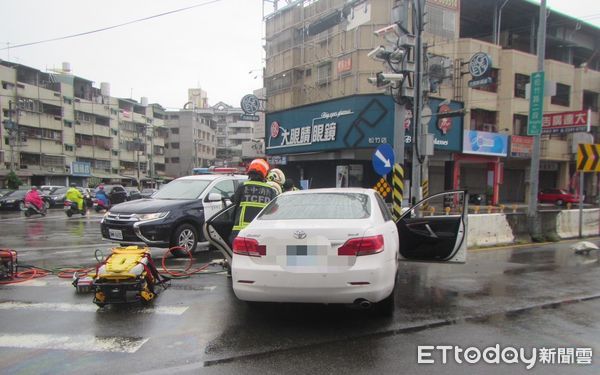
524 297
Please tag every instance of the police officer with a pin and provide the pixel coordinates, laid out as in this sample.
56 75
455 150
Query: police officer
252 196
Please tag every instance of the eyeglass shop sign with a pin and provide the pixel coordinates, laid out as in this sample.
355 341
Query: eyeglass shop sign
80 168
361 121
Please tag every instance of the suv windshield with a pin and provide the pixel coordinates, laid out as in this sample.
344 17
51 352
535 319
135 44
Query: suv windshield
182 189
318 206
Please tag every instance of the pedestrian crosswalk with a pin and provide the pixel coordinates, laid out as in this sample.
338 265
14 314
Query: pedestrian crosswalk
81 318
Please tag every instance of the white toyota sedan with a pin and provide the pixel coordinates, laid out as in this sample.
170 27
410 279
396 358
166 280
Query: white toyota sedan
336 245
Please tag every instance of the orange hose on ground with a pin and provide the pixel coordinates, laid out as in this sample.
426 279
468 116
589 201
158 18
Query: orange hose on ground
188 271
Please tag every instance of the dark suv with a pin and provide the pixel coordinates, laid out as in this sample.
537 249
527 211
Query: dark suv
116 194
175 214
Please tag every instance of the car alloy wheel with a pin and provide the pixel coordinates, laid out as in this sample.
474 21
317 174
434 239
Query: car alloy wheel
186 237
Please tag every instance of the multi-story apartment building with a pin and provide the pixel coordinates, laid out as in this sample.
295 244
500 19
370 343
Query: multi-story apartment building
62 129
323 114
231 132
191 142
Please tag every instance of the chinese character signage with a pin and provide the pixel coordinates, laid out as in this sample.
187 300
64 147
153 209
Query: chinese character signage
521 147
80 168
536 104
344 64
485 143
361 121
566 122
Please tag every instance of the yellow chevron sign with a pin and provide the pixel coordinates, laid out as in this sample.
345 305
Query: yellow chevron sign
588 158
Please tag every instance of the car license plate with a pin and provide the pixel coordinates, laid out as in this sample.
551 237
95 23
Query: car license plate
115 234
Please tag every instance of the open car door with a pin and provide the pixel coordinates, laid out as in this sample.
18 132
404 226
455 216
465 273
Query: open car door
218 228
435 229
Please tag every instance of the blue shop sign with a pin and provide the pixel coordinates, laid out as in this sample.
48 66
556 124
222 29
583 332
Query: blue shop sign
485 143
361 121
446 125
80 168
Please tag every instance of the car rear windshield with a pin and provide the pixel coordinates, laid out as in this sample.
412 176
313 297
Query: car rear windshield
182 189
61 190
318 206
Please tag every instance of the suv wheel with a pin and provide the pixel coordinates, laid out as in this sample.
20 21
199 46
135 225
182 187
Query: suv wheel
185 236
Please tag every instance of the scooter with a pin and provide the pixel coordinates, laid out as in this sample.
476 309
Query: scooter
31 209
99 205
71 208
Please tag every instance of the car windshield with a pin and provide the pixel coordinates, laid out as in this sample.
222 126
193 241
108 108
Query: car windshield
182 189
145 191
318 206
17 194
62 190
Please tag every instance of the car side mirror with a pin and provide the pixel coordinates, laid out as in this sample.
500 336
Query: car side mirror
214 197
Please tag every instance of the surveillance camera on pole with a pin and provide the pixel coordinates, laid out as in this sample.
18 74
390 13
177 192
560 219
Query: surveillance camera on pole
386 79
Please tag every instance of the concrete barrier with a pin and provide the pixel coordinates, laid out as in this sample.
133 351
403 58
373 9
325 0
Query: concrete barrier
489 230
567 223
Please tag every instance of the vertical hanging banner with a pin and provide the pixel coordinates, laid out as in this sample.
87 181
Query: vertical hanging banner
398 190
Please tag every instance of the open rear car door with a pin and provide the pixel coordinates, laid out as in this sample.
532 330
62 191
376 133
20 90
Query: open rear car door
218 228
435 229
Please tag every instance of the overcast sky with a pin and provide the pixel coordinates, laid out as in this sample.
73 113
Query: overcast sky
213 46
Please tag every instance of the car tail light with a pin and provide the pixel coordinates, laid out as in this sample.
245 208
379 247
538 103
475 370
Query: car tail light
248 246
362 246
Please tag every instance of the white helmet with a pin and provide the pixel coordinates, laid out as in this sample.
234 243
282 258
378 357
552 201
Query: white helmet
276 175
275 186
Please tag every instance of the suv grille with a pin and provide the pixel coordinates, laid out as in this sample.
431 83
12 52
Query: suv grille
121 218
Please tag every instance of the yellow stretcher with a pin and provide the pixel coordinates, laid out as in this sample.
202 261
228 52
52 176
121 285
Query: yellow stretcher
128 275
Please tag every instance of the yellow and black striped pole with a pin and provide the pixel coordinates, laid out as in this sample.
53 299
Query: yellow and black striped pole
425 192
398 190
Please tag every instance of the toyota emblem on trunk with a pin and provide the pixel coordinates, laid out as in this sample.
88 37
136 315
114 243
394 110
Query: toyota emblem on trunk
299 234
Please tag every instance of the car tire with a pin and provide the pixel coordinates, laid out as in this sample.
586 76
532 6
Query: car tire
559 202
185 236
27 213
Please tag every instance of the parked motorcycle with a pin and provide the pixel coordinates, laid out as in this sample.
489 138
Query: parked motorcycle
99 205
31 209
71 208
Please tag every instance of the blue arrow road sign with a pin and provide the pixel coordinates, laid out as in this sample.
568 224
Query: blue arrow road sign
383 159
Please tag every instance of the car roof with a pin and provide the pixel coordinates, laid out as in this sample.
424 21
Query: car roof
212 177
334 190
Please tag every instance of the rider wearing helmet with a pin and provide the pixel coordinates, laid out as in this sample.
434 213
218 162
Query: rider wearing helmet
101 196
74 195
33 197
251 196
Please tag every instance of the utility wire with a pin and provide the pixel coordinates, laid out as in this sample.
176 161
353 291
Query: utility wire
111 27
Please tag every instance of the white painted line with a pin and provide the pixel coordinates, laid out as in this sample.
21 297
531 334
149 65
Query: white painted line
79 307
66 252
77 342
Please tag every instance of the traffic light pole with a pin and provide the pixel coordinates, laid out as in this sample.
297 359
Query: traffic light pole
532 218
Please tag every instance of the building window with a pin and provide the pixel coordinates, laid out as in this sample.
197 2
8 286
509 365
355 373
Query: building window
7 85
521 81
115 152
174 117
114 132
68 124
563 95
324 73
520 125
590 100
174 160
492 87
69 147
174 130
175 145
483 120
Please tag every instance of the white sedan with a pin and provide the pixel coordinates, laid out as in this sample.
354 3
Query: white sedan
335 246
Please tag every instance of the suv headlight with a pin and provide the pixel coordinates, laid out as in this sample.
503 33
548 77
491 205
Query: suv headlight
146 217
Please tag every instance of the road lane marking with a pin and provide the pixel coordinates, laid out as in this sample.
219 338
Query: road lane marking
79 307
76 342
